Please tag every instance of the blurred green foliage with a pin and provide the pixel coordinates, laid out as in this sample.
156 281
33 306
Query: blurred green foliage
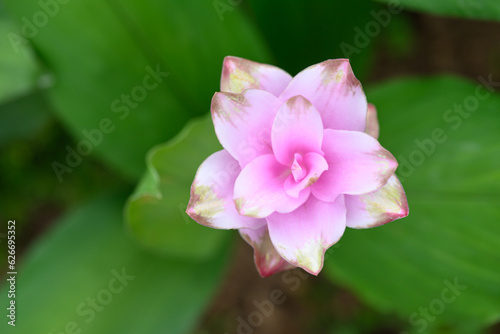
472 9
87 275
127 76
302 33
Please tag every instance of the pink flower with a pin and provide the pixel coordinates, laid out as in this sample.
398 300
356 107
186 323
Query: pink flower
300 163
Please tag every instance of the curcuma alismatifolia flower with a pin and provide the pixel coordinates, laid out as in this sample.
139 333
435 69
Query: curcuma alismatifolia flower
301 161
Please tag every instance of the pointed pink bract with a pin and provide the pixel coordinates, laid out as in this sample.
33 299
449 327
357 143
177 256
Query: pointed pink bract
267 260
243 122
357 165
211 203
297 128
334 90
239 74
302 236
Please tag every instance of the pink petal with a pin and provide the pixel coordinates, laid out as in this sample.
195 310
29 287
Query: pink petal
259 189
297 128
334 90
239 74
302 236
314 164
243 122
267 260
379 207
211 203
372 126
357 165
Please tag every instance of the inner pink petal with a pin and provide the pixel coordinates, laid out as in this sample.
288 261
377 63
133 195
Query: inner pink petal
306 170
298 171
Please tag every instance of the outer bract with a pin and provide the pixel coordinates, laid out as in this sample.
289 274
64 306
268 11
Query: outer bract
301 162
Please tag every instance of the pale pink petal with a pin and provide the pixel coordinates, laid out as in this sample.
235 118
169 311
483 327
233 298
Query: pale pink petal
357 164
334 90
243 122
372 126
211 203
259 189
313 164
267 260
302 236
297 128
239 74
379 207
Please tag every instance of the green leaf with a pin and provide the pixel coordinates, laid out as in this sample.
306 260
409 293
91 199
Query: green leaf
471 9
81 258
155 213
450 168
19 71
103 54
302 33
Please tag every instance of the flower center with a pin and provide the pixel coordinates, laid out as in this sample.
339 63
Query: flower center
298 170
305 171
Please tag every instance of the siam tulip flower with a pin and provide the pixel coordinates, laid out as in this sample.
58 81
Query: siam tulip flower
301 162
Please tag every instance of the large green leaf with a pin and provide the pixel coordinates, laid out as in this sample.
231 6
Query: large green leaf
80 260
103 51
155 213
452 181
472 9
